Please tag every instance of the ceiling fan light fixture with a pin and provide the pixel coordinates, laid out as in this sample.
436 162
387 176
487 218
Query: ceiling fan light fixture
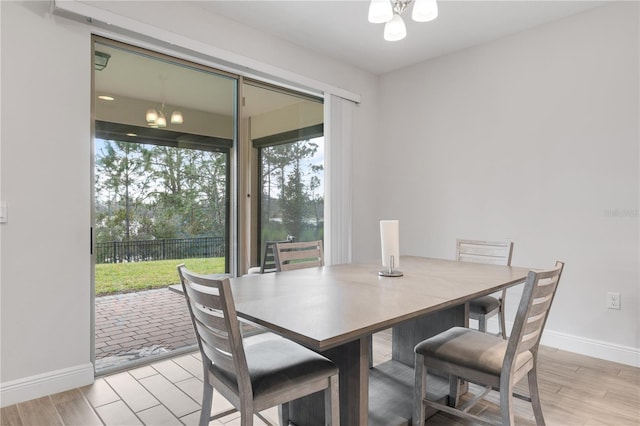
380 11
395 29
424 10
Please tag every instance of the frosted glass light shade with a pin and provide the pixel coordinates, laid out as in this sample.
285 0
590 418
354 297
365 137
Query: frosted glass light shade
395 29
177 118
380 11
161 121
152 115
424 10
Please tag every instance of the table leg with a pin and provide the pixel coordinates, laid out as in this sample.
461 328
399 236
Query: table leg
353 361
408 334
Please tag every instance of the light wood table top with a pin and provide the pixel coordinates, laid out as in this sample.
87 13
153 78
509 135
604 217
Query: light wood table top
332 305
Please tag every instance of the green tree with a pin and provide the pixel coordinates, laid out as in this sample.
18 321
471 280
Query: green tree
170 206
294 203
122 184
212 198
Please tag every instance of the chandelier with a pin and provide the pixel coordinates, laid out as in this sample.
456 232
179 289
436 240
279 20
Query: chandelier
389 12
157 118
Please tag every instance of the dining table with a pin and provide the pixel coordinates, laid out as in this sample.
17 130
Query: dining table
336 309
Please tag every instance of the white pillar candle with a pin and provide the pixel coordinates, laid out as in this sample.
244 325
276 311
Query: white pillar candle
390 242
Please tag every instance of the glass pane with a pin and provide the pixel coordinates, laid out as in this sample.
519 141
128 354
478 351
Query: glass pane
164 132
286 128
292 202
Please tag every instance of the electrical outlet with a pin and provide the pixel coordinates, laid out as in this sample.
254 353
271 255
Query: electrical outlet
613 300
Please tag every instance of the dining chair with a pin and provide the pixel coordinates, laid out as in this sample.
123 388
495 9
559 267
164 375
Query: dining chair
496 253
485 359
268 263
256 372
290 256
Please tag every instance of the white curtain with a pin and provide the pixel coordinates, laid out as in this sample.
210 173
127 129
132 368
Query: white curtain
338 207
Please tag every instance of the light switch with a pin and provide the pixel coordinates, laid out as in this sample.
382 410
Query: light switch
3 211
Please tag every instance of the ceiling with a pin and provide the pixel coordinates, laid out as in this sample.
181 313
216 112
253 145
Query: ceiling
339 28
335 28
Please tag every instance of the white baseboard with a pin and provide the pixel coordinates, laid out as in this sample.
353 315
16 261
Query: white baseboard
581 345
596 348
40 385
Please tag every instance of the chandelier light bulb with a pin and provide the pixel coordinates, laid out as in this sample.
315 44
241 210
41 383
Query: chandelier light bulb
380 11
395 29
424 10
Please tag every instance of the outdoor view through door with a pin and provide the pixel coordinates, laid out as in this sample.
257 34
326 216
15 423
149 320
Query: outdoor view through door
290 144
164 133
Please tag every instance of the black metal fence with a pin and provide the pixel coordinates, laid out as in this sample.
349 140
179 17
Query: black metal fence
146 250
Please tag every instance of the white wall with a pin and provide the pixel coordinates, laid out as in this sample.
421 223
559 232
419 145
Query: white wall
532 138
45 176
45 309
459 153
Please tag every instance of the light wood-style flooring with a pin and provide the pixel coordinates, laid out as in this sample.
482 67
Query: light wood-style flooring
576 390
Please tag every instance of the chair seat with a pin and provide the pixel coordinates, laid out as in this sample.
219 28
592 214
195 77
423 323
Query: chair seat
471 349
483 305
276 363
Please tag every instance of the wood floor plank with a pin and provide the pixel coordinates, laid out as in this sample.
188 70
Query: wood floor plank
131 391
576 390
179 403
74 409
38 412
191 364
9 416
171 370
192 387
117 414
159 416
142 372
99 393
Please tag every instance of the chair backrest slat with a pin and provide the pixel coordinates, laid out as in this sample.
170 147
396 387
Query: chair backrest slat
216 324
220 359
209 330
291 256
533 311
204 296
492 252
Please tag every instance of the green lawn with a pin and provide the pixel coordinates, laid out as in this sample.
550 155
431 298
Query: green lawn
113 278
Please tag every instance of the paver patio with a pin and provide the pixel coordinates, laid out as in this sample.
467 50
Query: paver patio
131 326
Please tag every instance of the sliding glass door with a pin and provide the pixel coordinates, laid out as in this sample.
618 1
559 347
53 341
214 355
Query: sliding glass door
186 173
164 136
287 134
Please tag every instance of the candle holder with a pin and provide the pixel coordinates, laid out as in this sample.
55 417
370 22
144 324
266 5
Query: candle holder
391 272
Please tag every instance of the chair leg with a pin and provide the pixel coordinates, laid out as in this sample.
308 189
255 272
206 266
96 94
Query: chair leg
332 402
419 391
535 396
246 418
283 414
503 323
482 323
371 351
246 411
207 401
454 391
506 401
